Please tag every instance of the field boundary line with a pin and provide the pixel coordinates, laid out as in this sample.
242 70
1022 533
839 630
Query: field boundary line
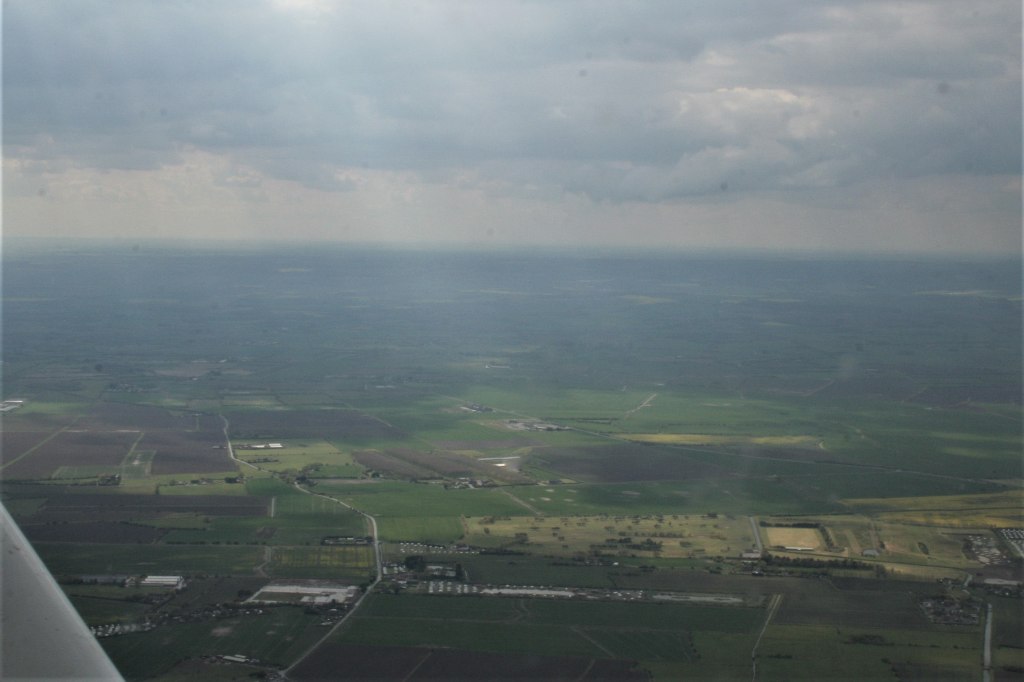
645 403
430 652
39 444
776 600
584 674
533 510
579 631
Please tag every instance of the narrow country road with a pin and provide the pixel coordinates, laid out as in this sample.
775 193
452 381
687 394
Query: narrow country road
757 534
378 557
773 606
369 588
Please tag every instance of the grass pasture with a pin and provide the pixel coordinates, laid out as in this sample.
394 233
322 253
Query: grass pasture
314 457
793 537
431 529
386 499
594 629
276 637
818 652
992 510
66 558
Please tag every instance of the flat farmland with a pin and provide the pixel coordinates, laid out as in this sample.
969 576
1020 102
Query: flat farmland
690 393
603 630
341 661
809 442
401 499
277 637
793 537
309 456
63 558
623 462
726 495
796 652
433 529
667 536
390 465
90 532
73 448
341 425
997 509
529 569
119 415
188 452
13 444
71 504
853 608
353 562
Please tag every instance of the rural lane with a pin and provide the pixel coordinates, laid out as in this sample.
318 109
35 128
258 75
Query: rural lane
378 557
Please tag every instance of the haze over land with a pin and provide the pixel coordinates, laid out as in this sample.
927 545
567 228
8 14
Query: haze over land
577 466
826 126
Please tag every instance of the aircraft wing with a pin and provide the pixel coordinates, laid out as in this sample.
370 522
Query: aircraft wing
43 636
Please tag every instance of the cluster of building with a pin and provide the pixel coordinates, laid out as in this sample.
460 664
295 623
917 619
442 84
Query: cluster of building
305 593
949 611
173 582
531 425
1013 537
985 548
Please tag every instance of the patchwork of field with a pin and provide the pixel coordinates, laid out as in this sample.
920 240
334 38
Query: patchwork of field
116 439
317 458
606 423
103 451
277 636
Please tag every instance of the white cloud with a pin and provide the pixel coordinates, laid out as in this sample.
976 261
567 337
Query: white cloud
513 111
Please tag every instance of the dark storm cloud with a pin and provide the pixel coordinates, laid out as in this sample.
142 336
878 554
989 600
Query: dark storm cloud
614 100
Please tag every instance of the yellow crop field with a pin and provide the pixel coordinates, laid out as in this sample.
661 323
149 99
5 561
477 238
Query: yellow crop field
991 510
670 536
793 537
351 556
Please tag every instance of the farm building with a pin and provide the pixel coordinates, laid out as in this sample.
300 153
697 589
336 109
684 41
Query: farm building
174 581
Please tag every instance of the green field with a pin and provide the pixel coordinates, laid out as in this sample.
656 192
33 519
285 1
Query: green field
277 637
74 559
648 632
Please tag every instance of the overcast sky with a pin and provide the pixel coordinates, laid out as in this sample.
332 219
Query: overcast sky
837 126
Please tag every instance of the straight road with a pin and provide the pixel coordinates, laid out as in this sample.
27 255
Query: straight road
757 534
